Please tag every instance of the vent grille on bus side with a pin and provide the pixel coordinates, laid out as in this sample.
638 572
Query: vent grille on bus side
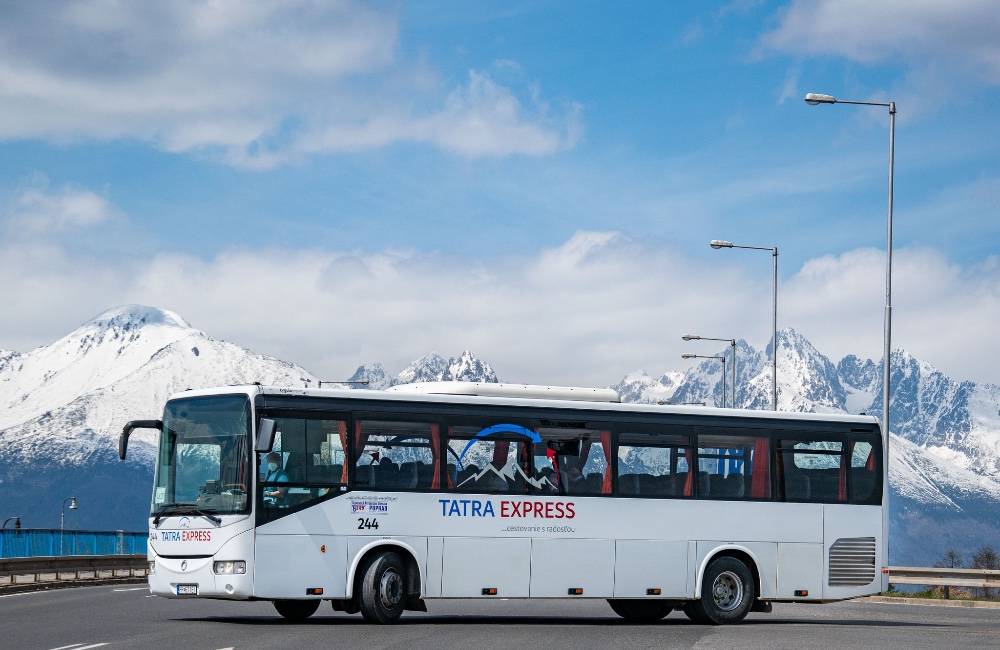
852 562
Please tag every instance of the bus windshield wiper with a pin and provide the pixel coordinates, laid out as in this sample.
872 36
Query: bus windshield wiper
184 509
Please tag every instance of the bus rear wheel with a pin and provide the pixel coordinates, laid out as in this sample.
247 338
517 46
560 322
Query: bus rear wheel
727 593
383 589
296 610
641 611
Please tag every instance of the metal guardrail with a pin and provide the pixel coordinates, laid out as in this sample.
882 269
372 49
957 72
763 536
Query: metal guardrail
943 577
45 542
54 569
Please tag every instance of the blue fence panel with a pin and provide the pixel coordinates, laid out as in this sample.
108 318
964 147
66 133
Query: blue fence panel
32 542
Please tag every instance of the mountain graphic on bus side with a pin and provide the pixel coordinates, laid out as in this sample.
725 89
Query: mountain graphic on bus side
510 471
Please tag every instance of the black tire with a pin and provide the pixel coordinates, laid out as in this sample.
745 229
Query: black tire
692 609
641 611
383 589
728 592
296 610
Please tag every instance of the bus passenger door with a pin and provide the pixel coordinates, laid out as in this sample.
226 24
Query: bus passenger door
472 566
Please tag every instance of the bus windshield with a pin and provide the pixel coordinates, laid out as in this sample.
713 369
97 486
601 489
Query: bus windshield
203 456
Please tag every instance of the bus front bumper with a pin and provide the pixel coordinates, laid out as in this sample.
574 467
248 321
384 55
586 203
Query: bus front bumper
192 577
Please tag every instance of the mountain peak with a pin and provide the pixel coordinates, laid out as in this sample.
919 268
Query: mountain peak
127 316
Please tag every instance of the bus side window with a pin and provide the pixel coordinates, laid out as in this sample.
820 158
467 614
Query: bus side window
494 457
308 460
655 464
574 460
393 455
733 466
864 474
812 471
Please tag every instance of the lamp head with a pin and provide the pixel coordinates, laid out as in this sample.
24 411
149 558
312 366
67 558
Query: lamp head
814 99
691 337
689 356
720 243
72 503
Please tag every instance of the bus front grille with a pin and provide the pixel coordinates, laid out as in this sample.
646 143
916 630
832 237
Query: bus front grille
852 562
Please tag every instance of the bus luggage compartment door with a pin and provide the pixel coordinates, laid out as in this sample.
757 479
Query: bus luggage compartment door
286 565
559 565
471 566
642 565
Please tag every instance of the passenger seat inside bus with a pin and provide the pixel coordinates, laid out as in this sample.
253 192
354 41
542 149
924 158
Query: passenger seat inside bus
797 486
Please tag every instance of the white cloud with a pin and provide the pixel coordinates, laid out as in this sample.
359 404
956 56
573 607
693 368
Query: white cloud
39 210
480 118
942 312
256 84
945 46
874 32
584 312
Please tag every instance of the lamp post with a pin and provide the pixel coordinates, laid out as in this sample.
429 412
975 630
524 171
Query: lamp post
717 358
73 505
721 243
732 344
815 99
17 522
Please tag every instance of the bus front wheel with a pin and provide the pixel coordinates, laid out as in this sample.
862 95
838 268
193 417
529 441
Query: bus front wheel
727 593
383 589
641 611
296 610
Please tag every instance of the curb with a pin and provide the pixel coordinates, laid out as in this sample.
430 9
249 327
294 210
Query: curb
66 584
934 602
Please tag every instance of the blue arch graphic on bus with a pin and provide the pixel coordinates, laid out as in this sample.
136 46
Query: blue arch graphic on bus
515 429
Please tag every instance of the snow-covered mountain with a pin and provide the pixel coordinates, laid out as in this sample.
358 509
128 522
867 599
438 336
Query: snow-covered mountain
431 367
945 447
957 421
62 406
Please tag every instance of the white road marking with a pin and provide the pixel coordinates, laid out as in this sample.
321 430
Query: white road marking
23 593
66 647
88 647
133 589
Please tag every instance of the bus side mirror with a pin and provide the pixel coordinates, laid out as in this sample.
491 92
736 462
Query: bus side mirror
129 428
265 435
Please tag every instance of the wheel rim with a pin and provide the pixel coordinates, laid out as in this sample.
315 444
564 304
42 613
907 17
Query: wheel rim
727 591
390 588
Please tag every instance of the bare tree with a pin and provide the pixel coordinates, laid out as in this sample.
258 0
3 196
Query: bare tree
952 560
986 558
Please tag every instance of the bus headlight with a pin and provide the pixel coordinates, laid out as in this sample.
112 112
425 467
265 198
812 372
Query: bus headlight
152 567
229 567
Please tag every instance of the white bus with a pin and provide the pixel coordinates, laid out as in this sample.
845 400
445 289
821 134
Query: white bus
380 500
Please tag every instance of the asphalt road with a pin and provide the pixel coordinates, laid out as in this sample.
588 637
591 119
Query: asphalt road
127 617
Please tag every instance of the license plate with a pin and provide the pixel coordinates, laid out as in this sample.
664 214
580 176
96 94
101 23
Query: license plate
187 590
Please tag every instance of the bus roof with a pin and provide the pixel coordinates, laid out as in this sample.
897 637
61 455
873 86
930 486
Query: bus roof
492 400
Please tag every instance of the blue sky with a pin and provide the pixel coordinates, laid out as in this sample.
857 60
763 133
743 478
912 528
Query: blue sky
480 137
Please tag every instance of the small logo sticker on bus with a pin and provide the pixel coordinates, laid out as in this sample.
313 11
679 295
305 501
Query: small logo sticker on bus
375 506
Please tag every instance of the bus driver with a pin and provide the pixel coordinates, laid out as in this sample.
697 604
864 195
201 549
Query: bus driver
274 474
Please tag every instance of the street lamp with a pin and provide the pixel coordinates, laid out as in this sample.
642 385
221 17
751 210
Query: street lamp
62 519
721 243
15 519
732 344
717 358
818 98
